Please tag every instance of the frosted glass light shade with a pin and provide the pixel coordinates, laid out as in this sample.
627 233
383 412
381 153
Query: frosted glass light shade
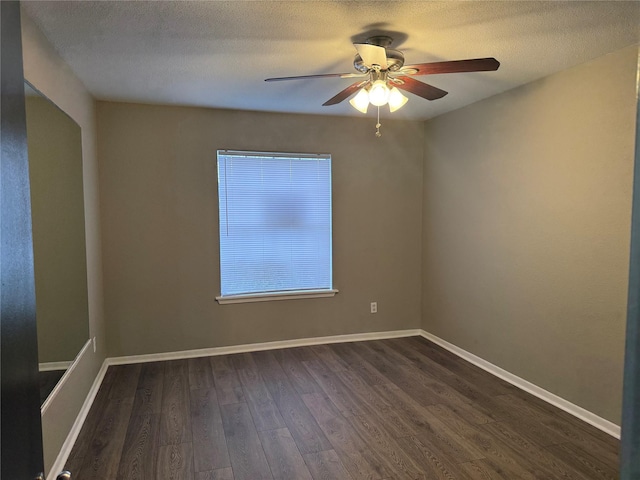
360 101
396 99
379 93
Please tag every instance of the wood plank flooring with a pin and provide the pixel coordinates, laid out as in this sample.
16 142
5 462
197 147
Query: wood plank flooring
388 409
48 381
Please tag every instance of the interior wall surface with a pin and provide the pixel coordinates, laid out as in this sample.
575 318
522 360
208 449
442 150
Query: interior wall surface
158 186
48 73
526 228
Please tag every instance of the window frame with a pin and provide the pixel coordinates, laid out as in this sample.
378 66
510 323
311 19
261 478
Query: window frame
282 294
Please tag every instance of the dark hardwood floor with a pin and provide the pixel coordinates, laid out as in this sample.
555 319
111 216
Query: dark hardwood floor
48 381
389 409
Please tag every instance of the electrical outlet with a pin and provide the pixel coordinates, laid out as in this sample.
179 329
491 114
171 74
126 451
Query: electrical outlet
94 344
374 307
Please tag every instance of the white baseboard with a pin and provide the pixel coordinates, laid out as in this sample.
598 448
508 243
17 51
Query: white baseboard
65 451
579 412
256 347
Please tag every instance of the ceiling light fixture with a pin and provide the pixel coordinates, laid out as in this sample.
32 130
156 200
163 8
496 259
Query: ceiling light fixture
396 99
381 74
378 94
361 101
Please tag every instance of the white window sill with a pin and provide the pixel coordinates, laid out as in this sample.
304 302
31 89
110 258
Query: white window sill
268 297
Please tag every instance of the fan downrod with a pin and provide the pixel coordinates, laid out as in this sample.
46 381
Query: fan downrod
380 41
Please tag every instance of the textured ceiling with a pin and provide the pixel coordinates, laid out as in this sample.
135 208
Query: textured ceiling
217 53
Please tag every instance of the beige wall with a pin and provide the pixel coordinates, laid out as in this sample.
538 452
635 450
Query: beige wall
526 225
46 71
160 226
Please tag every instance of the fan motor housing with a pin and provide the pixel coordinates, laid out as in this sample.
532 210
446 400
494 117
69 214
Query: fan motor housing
395 60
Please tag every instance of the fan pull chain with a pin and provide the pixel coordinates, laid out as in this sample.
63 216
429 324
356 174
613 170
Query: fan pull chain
378 125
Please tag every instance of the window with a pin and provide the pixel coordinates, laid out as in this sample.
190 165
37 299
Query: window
275 225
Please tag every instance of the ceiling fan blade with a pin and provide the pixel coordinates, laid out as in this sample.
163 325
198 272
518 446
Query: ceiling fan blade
322 75
372 55
455 66
419 88
344 94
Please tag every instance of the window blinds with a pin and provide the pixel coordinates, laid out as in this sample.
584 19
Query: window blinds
275 222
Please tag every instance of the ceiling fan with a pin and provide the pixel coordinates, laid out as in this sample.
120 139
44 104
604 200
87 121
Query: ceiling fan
382 73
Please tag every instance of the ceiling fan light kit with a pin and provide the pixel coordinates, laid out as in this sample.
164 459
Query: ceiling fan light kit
396 99
361 101
385 74
379 93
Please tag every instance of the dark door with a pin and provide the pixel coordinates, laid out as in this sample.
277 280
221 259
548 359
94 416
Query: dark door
630 457
20 433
